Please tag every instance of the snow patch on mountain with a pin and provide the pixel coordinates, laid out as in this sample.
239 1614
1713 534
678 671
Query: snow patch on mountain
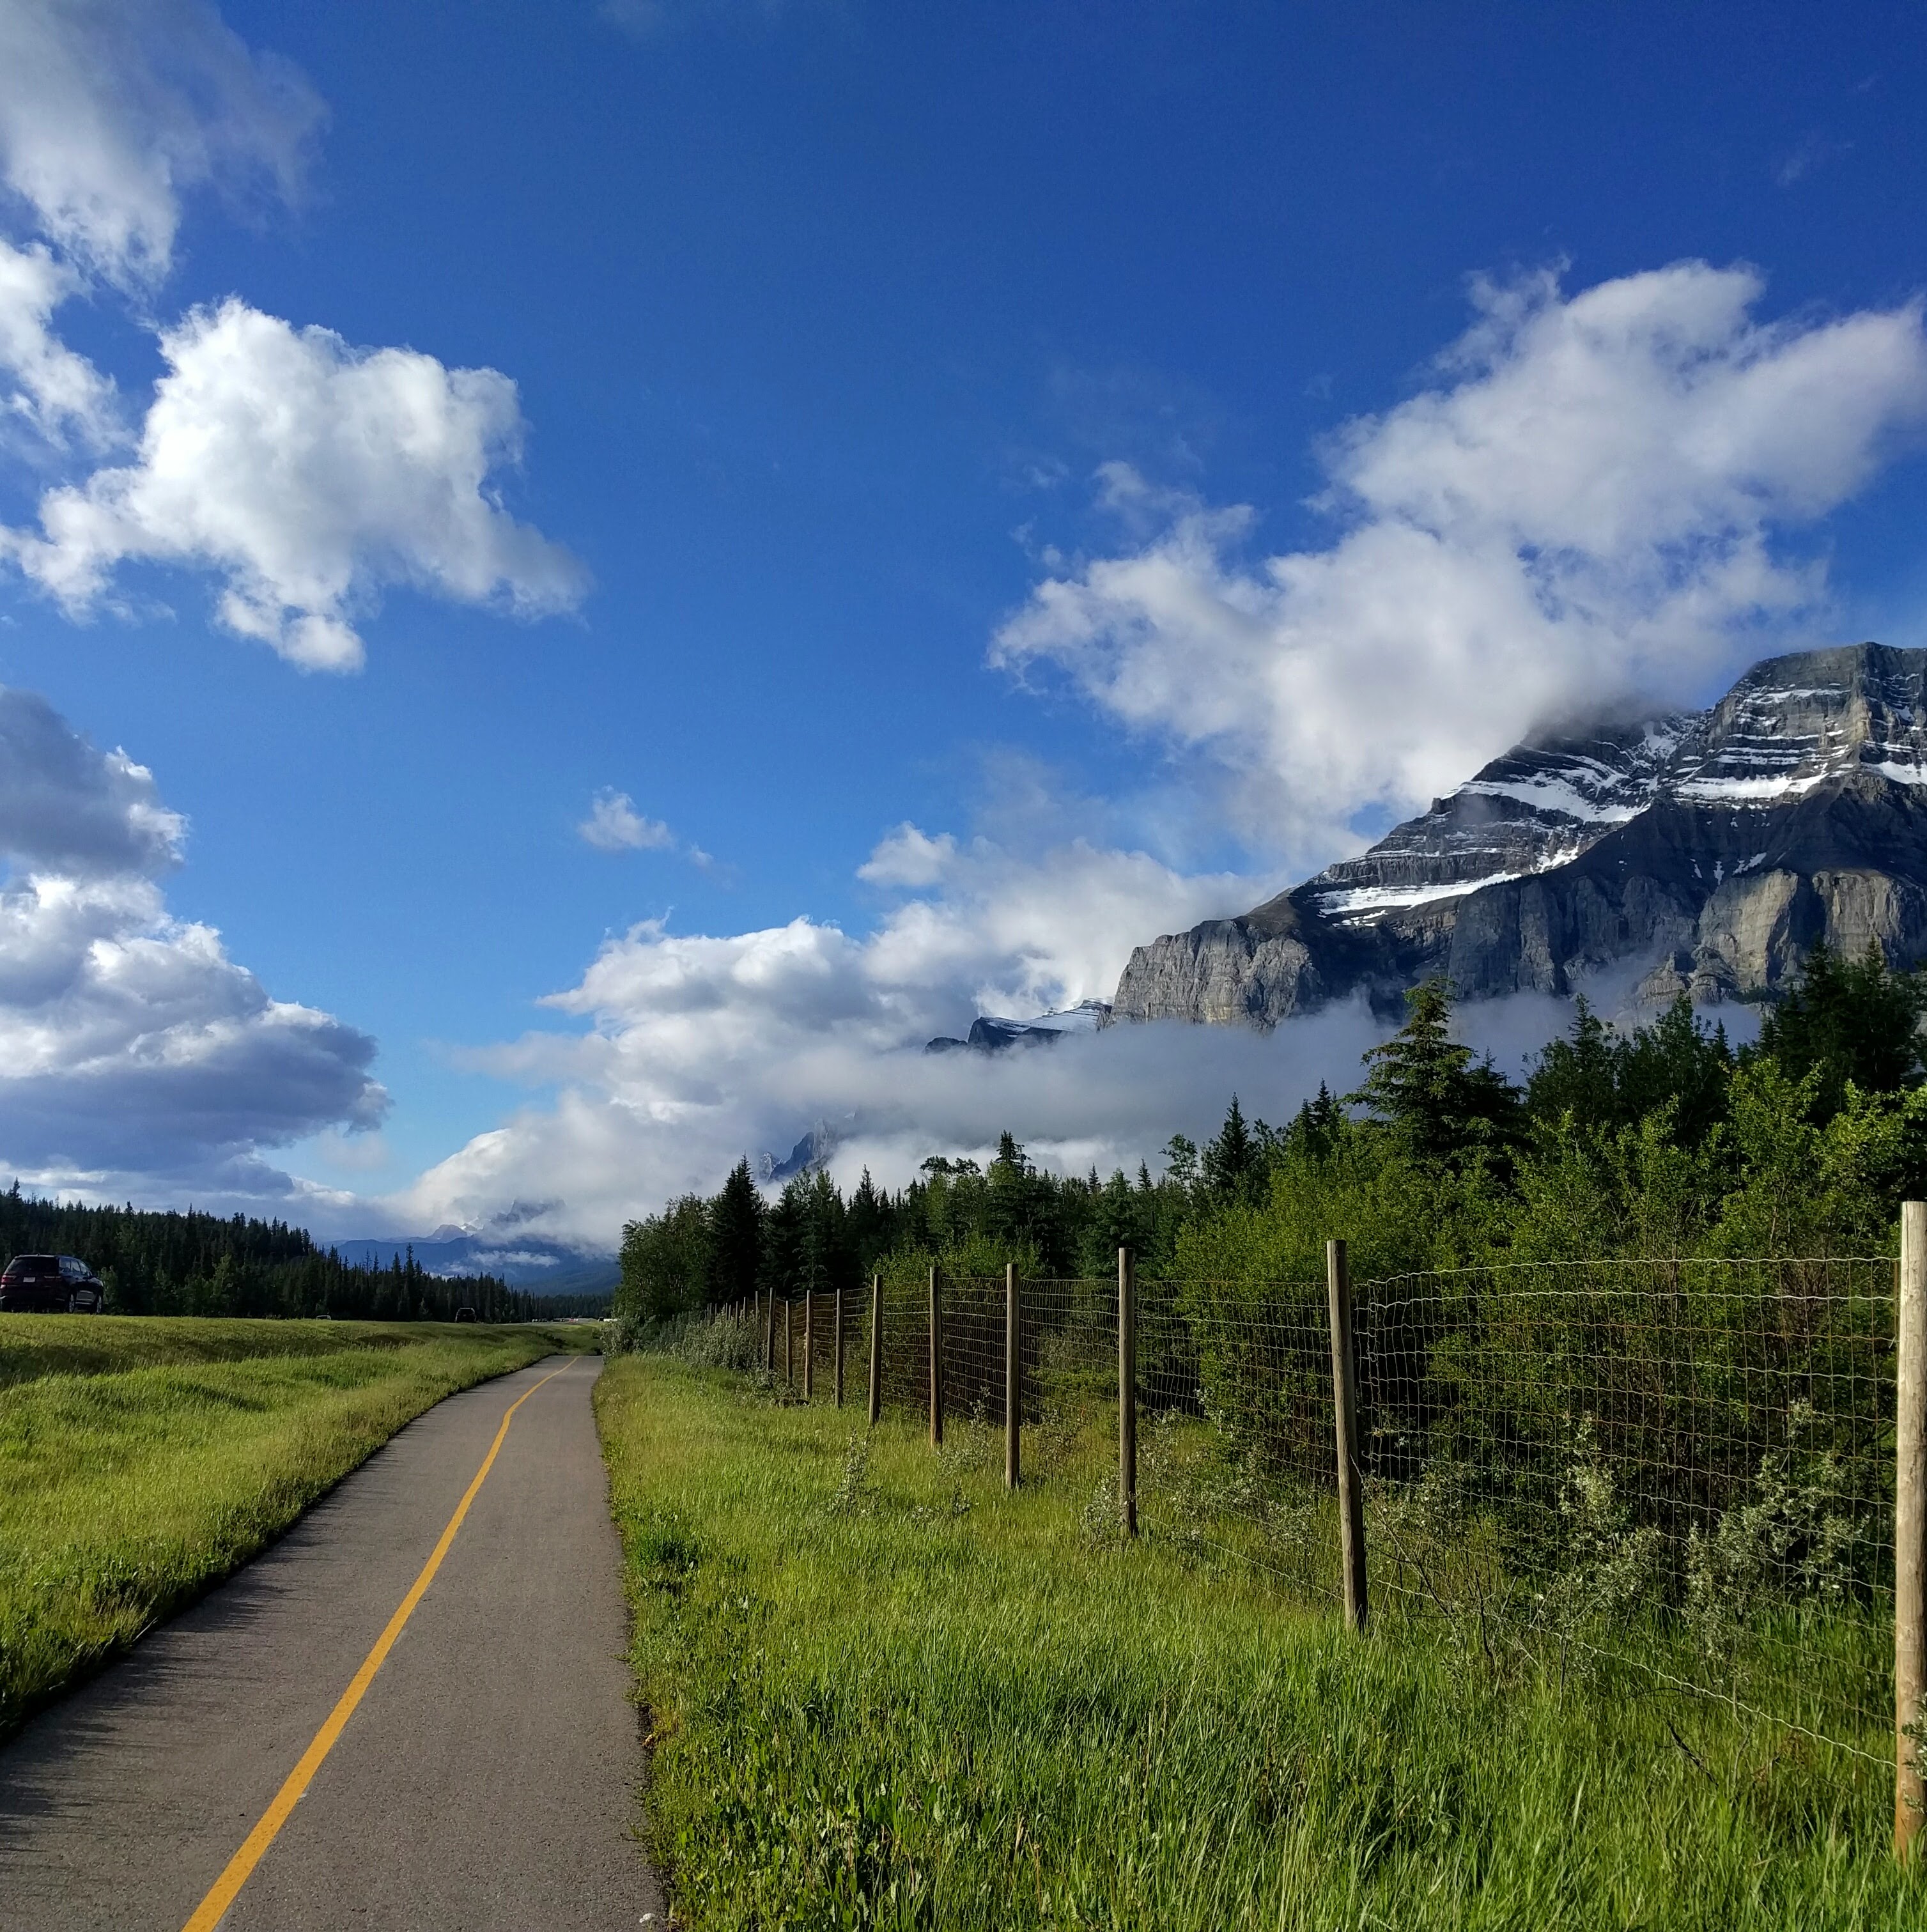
1363 901
1723 844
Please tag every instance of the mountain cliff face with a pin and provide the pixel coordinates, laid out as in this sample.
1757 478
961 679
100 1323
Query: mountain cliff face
1712 849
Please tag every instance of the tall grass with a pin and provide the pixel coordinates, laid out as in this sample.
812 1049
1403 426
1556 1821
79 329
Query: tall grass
126 1492
885 1693
33 1346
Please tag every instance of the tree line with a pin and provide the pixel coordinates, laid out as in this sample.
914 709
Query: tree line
173 1263
1653 1140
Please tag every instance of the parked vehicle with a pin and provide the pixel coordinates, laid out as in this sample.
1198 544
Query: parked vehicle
50 1285
466 1314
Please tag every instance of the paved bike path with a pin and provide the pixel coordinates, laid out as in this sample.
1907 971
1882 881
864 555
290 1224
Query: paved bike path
487 1778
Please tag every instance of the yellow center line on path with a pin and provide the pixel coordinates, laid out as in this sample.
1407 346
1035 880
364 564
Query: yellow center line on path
208 1913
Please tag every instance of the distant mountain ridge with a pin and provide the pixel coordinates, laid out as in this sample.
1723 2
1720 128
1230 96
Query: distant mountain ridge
530 1262
1709 850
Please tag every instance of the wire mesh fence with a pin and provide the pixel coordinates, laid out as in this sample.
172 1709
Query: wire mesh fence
1682 1469
1237 1455
904 1365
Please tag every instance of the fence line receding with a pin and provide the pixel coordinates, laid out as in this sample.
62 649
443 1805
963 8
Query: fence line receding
1681 1471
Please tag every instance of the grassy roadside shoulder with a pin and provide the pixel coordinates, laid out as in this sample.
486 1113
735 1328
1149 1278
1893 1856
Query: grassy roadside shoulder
885 1694
34 1345
127 1490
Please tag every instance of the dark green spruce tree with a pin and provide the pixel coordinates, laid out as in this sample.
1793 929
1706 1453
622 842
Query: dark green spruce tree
1848 1020
1441 1102
1234 1164
736 1217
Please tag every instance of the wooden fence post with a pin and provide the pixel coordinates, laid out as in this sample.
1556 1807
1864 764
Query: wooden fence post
1013 1411
789 1343
1909 1526
1345 1408
936 1363
840 1347
876 1347
809 1341
769 1338
1127 1391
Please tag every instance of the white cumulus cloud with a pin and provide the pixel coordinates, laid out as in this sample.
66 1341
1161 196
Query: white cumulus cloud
614 825
305 475
309 475
110 110
1583 504
71 811
700 1048
56 394
996 931
131 1046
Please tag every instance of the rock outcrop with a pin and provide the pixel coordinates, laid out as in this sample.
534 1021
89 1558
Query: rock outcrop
990 1034
1709 850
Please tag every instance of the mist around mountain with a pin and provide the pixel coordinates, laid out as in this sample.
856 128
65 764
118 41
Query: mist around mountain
1703 852
1660 1139
990 1033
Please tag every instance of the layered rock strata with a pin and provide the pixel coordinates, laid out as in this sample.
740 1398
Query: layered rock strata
1708 850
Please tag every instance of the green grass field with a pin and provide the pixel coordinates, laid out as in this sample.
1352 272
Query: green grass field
143 1458
883 1692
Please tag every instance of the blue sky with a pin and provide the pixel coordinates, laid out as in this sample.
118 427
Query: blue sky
839 335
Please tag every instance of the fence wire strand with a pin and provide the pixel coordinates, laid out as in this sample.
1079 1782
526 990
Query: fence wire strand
1679 1469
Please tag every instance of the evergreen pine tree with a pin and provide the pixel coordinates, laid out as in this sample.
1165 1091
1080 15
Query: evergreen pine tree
1577 1075
736 1217
1848 1020
871 1223
1427 1087
1675 1061
1233 1162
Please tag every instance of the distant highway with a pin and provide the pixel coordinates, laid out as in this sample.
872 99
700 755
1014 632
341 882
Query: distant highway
349 1734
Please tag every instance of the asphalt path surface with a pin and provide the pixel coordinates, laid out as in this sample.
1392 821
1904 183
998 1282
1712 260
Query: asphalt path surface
487 1778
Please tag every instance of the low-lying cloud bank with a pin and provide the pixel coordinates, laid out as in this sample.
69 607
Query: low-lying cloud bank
625 1134
699 1050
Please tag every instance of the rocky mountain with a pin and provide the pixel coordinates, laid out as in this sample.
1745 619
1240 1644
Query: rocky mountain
810 1154
1706 850
990 1034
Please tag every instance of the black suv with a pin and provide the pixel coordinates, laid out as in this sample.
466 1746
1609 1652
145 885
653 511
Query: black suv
50 1285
